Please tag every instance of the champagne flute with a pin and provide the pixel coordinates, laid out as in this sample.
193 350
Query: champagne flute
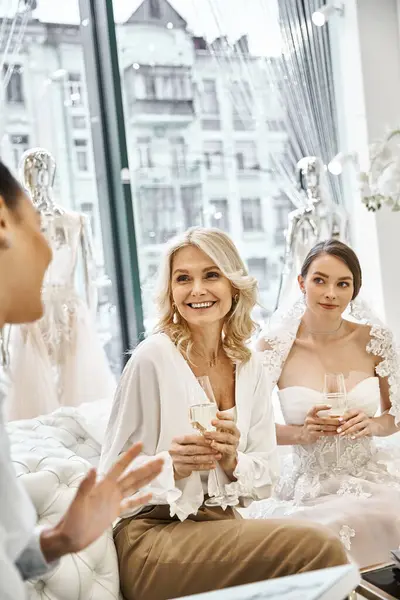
201 416
336 396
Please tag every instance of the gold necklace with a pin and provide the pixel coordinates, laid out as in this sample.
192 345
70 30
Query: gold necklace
211 362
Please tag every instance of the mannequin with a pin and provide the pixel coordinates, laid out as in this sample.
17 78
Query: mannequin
319 219
58 361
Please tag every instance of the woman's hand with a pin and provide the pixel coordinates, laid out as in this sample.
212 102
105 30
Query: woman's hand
316 427
225 440
98 503
357 424
192 453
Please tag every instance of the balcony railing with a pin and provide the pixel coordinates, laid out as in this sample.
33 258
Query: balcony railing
160 108
169 174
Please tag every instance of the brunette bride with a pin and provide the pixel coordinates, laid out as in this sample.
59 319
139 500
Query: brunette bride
355 491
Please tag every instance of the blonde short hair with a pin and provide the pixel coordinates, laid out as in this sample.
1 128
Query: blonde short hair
239 326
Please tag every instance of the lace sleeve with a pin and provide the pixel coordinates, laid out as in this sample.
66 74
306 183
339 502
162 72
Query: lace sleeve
382 344
273 358
277 340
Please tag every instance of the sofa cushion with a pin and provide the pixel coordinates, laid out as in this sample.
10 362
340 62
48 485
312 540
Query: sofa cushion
51 455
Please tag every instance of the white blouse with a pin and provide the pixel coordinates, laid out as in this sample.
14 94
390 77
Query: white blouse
152 404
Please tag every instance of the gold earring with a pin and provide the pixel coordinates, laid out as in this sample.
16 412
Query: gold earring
175 317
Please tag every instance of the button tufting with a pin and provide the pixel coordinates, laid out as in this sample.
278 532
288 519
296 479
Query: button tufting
50 458
40 585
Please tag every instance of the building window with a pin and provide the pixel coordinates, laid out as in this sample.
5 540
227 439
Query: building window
163 84
258 268
158 209
246 156
219 213
19 145
214 157
150 87
282 208
144 155
155 9
252 215
192 205
209 98
242 105
178 156
276 124
75 89
82 155
78 122
14 89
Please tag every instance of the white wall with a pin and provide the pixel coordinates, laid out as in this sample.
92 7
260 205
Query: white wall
365 44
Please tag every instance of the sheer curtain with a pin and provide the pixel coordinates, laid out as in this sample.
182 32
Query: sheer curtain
293 72
305 75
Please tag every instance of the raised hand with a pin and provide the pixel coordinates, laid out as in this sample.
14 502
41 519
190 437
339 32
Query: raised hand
98 503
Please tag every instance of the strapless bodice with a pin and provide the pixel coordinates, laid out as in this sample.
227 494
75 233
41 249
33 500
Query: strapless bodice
297 400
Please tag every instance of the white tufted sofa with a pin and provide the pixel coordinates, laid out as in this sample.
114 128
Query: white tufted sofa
51 455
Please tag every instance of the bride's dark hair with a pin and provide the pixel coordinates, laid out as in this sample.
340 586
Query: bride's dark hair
342 252
10 190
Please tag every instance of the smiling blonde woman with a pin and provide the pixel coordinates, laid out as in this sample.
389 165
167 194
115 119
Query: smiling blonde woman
178 545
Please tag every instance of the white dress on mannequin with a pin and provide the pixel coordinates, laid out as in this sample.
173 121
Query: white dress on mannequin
58 360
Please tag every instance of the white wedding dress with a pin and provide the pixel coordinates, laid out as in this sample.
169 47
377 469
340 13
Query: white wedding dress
359 497
59 360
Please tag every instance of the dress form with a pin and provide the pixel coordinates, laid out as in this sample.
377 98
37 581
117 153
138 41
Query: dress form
58 361
319 219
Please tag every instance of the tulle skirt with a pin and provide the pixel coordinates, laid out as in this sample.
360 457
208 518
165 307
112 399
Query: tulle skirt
57 361
360 501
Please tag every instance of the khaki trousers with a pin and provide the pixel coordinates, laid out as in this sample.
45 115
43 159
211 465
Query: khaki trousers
161 557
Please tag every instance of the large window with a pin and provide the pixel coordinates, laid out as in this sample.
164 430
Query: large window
242 105
12 74
282 208
252 215
144 155
158 207
82 155
219 213
74 88
246 156
46 106
258 269
214 157
197 114
161 83
155 9
19 143
201 123
208 97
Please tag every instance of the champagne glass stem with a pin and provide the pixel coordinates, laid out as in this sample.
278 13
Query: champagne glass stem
214 475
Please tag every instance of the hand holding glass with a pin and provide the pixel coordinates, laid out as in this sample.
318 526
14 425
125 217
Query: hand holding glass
201 417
